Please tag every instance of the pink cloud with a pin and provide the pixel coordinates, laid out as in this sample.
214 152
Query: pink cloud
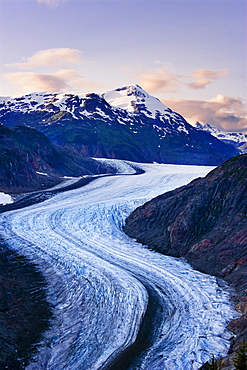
227 113
209 74
55 57
199 84
60 81
162 81
205 77
159 80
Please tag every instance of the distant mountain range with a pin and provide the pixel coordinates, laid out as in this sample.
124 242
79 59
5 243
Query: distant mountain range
126 123
237 139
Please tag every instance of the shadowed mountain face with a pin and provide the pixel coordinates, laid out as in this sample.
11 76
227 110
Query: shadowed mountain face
205 222
29 161
126 123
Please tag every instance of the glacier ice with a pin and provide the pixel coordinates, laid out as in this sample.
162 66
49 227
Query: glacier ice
99 279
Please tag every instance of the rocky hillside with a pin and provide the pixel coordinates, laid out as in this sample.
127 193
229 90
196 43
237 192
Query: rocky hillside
126 123
205 222
29 161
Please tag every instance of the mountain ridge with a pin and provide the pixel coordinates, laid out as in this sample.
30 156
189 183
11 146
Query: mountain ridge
125 123
237 139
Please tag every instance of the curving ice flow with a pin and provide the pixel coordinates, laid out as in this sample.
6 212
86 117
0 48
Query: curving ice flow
101 282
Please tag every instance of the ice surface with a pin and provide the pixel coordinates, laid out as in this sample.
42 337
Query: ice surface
121 166
98 278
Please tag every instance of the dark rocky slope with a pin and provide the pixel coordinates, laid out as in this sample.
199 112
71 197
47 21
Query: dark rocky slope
205 222
29 161
24 312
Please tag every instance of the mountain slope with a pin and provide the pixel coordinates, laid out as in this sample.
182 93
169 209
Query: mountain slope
126 123
28 161
205 222
237 139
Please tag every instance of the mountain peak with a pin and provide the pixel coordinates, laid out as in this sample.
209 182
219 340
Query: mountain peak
125 123
134 90
135 100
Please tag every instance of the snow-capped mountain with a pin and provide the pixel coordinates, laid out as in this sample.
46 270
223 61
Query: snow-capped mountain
126 123
134 99
130 100
237 139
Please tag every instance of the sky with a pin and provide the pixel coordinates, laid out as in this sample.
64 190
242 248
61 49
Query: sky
191 54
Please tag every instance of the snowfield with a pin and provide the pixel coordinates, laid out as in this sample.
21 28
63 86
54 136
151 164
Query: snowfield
101 282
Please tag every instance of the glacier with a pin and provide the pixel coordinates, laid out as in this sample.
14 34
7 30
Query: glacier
101 282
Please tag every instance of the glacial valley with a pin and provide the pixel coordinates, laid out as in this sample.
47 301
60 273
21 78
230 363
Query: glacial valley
102 284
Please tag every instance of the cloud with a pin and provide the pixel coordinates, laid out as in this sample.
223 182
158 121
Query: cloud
159 81
55 57
162 81
200 84
60 81
209 74
51 3
205 77
227 113
50 70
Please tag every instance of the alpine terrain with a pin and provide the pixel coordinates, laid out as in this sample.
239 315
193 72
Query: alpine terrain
108 302
126 123
237 139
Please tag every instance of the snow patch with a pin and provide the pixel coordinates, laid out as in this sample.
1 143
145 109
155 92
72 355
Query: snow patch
42 173
5 199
